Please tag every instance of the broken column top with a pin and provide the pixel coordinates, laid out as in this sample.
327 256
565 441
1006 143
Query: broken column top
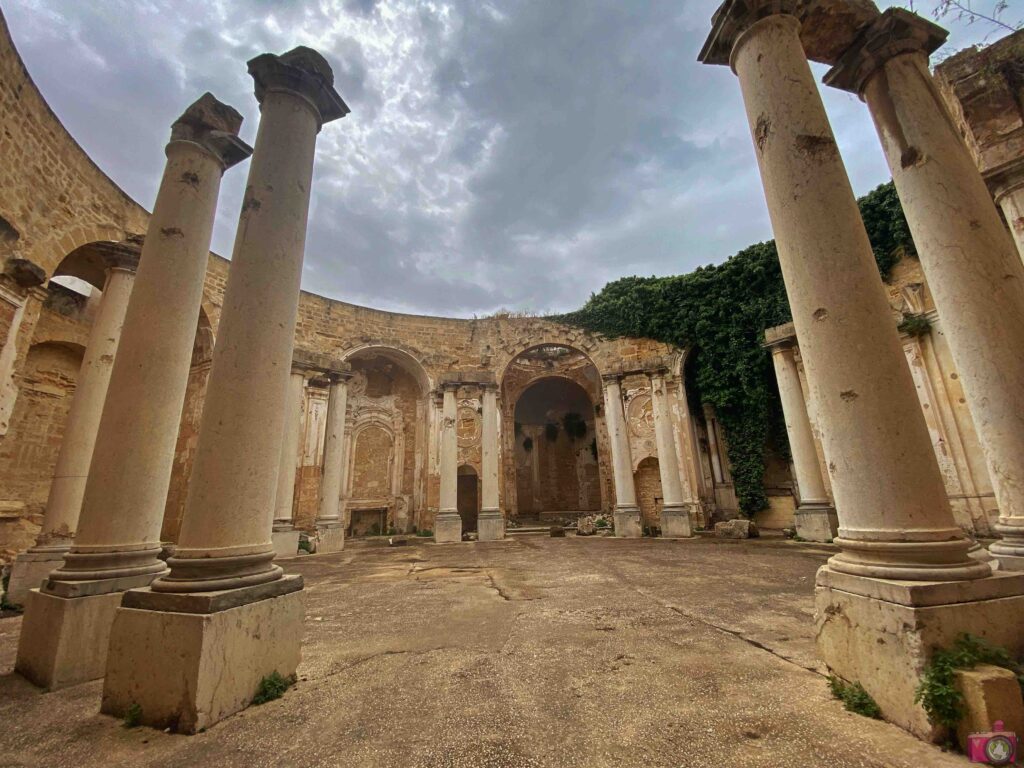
895 32
213 125
301 70
827 27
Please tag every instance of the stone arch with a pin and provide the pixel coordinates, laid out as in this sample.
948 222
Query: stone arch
51 252
404 356
540 345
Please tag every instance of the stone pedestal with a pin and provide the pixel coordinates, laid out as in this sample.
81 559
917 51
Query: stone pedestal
816 523
28 572
447 528
882 633
64 639
188 669
330 538
675 522
490 525
627 523
286 543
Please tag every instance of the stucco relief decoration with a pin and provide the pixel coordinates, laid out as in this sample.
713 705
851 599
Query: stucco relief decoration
357 384
640 413
467 423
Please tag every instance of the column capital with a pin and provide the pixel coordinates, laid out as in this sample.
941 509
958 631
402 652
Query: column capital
25 273
897 31
213 126
827 27
1005 179
303 72
779 338
122 256
611 378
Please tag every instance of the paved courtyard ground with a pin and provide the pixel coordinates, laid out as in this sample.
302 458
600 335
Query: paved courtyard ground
532 652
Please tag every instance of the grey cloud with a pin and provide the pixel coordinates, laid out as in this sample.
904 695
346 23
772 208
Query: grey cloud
498 154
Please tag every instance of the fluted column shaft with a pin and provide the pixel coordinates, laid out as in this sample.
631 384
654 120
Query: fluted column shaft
895 519
225 537
973 269
668 461
284 505
449 454
798 428
329 513
675 515
123 506
64 502
627 513
489 451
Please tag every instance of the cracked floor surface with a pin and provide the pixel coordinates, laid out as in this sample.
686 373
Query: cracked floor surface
531 652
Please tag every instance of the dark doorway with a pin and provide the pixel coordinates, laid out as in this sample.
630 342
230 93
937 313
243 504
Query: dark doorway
468 497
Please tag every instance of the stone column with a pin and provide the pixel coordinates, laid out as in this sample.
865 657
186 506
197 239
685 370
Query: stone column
491 523
972 266
118 537
900 548
64 501
330 527
1007 186
224 597
627 514
284 536
675 514
895 519
714 450
448 524
816 519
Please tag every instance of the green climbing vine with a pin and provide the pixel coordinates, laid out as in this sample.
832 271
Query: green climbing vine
721 312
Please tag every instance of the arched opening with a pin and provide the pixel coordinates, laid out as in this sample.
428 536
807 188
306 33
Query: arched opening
468 498
46 386
386 445
555 450
649 497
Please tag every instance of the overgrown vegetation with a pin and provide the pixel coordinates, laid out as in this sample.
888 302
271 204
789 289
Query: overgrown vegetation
272 687
574 425
133 716
937 693
914 325
855 699
721 312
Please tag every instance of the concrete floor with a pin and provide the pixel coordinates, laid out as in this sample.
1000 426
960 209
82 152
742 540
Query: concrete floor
532 652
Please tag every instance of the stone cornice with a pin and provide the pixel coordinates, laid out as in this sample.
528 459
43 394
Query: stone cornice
895 32
1006 178
301 71
213 126
827 27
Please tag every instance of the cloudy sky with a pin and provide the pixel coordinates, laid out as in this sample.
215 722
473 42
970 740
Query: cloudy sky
510 154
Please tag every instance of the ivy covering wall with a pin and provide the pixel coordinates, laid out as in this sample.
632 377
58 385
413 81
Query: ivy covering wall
721 313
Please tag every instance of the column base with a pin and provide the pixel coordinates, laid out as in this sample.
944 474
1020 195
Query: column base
882 633
675 522
447 527
29 571
286 543
329 538
627 522
816 522
64 640
490 525
188 661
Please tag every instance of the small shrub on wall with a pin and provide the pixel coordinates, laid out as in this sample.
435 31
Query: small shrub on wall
722 311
